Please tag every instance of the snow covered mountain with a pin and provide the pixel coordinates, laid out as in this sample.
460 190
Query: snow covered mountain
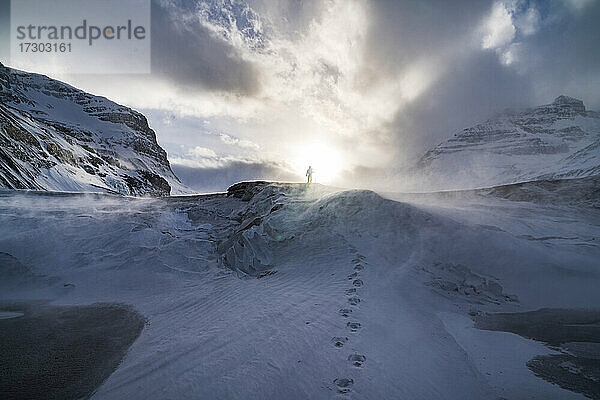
56 137
557 140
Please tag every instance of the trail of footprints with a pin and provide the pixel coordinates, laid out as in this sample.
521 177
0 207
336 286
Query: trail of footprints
343 385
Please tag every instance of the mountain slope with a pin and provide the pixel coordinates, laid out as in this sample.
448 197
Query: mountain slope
56 137
557 140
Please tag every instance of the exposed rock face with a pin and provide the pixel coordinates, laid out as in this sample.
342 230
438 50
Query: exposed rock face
566 107
557 140
56 137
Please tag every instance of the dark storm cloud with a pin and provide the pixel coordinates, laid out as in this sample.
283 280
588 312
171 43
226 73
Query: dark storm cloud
402 31
473 90
187 54
4 30
562 57
472 84
219 178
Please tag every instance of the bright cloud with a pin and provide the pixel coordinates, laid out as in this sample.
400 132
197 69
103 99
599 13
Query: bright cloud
509 22
529 21
233 141
498 27
202 152
202 157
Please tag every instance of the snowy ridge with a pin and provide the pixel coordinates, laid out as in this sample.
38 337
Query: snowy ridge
280 216
557 140
324 293
56 137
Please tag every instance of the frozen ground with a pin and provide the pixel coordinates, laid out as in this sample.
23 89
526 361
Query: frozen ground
281 292
51 352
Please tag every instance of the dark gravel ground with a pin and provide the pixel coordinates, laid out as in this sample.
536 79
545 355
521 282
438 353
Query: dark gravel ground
564 330
63 352
581 375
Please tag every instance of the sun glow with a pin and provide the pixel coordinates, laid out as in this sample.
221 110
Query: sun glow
326 161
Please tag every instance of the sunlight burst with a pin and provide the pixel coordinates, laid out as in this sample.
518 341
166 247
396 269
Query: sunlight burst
325 160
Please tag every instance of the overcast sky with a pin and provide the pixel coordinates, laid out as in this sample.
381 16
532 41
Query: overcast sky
357 88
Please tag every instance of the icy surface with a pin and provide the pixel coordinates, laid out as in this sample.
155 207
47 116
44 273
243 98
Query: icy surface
276 291
10 314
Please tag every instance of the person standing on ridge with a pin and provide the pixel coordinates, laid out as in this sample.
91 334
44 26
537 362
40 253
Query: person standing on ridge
309 173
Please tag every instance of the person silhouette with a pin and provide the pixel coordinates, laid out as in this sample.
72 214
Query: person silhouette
309 173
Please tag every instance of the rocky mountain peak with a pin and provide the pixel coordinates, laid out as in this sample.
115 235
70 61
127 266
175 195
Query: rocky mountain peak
56 137
567 102
562 99
566 106
551 141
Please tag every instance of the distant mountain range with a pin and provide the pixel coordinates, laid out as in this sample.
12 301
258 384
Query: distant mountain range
557 140
56 137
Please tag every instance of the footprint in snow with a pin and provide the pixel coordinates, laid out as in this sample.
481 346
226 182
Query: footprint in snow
339 341
354 300
358 267
343 384
345 312
353 326
357 283
353 275
357 359
351 291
